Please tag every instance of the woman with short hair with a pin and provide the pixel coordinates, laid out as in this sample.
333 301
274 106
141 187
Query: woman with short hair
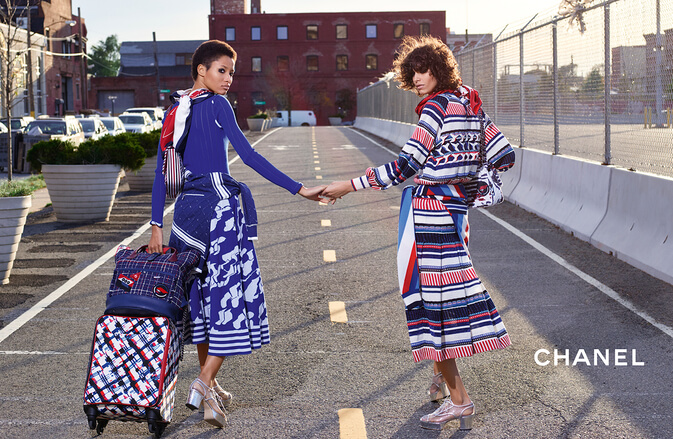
449 313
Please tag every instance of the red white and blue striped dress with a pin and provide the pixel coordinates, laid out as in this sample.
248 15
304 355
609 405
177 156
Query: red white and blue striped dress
449 312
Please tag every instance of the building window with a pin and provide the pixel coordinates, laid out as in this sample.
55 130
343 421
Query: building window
65 48
372 62
342 62
258 98
398 30
341 31
183 59
371 31
255 33
256 63
312 32
425 29
281 32
230 34
312 63
283 63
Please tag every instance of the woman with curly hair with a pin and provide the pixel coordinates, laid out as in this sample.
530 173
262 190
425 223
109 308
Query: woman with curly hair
449 313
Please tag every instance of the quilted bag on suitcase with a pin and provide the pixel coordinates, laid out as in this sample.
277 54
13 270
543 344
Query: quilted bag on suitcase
149 284
133 369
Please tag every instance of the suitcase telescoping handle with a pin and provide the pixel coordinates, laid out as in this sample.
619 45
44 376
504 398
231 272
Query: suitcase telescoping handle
143 249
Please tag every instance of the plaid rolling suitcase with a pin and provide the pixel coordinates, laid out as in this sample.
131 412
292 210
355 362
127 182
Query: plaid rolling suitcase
133 369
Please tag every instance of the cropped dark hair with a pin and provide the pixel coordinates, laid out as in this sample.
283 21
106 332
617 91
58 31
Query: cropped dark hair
208 52
423 53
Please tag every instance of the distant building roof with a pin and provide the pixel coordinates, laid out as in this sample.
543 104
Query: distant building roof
174 57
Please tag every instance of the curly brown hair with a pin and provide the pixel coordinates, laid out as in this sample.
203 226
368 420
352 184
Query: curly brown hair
420 53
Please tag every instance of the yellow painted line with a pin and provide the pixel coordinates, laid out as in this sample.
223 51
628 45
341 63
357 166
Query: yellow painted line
322 203
337 313
352 424
329 255
317 168
326 223
316 161
318 177
315 156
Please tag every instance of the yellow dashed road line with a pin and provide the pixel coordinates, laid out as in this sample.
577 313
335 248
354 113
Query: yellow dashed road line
352 424
326 223
337 312
329 255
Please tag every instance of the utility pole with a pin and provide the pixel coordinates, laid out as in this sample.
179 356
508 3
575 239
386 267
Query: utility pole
83 62
156 68
29 60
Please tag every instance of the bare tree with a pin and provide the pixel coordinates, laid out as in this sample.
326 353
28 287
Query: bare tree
293 86
11 66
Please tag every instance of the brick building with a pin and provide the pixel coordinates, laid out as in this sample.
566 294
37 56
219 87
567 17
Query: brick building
65 76
302 61
311 61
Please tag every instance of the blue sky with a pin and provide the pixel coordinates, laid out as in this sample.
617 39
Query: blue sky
135 20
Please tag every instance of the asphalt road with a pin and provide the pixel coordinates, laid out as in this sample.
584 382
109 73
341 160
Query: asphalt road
299 385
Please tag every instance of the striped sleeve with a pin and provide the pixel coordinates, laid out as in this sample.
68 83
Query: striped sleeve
498 150
414 154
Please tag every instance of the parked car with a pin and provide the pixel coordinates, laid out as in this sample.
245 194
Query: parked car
137 122
302 118
19 124
93 128
64 128
114 125
3 128
156 114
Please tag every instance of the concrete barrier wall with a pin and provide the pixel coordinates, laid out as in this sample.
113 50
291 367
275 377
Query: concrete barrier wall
626 213
638 225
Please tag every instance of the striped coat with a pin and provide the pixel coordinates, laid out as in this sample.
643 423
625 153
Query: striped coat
449 312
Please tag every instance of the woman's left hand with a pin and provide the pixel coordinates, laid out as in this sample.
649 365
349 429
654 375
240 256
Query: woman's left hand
312 193
337 190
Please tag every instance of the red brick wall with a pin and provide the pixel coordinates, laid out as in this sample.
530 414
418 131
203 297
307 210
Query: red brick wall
314 90
229 7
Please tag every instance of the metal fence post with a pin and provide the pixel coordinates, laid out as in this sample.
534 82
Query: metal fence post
607 76
521 100
554 39
495 83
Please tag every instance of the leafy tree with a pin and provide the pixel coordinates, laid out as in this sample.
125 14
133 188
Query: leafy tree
105 57
594 86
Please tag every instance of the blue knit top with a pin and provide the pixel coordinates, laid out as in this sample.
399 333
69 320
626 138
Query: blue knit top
213 126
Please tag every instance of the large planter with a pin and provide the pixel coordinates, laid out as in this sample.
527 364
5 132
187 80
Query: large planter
142 179
13 213
256 124
82 193
334 121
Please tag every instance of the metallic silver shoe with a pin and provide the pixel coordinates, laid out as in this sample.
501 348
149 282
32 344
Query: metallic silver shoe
448 411
197 391
438 389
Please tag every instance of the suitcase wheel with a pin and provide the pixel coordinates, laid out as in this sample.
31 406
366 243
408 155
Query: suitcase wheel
157 428
102 423
91 415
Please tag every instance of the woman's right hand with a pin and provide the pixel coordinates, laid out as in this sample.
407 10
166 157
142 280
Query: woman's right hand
156 244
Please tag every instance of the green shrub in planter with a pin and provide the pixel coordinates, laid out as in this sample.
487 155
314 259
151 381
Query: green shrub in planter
259 115
123 150
149 142
21 188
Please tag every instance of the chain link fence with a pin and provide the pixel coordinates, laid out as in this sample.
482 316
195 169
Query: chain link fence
603 94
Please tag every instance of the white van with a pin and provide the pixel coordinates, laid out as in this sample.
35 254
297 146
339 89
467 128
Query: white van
303 118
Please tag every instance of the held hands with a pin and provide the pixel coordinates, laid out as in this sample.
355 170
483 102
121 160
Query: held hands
313 194
337 190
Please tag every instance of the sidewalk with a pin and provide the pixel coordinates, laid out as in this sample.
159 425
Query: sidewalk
40 200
